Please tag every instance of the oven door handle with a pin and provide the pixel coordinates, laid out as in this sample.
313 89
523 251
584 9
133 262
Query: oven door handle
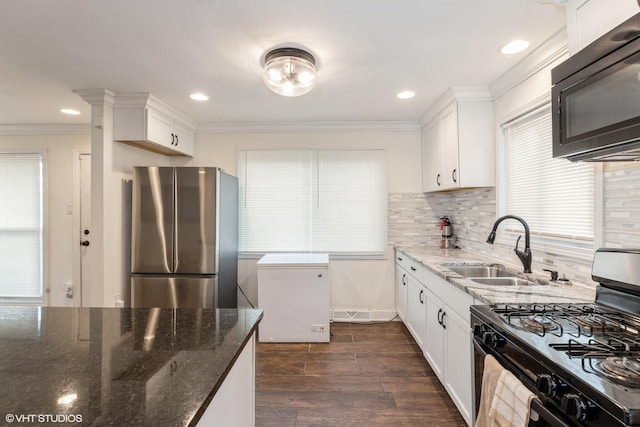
538 411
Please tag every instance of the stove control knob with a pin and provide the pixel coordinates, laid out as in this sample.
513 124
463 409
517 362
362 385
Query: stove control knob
493 339
478 329
578 408
550 386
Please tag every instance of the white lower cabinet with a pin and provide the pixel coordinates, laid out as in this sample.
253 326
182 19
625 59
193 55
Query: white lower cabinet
416 299
437 315
448 347
410 296
434 348
458 358
234 404
402 280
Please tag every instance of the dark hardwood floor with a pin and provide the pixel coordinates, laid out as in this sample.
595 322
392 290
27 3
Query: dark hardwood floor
368 375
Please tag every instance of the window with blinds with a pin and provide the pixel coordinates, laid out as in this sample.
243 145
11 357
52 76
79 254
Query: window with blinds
554 196
313 201
21 226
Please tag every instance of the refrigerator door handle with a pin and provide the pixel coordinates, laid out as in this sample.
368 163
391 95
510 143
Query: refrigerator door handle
176 224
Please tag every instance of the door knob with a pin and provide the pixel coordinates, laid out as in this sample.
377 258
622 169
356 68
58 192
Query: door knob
85 243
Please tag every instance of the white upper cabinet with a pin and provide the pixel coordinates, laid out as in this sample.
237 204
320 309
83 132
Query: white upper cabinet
144 121
457 141
589 19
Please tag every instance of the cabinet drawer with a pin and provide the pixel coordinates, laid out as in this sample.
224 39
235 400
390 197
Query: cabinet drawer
457 299
412 266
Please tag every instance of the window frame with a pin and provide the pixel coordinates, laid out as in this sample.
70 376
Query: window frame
363 255
562 247
44 252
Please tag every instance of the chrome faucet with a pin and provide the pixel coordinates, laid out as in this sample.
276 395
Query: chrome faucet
525 256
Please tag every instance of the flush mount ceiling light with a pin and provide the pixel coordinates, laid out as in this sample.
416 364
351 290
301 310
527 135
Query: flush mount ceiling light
289 71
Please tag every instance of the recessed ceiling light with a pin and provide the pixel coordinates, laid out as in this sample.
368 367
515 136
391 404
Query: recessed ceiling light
70 111
514 46
406 94
199 97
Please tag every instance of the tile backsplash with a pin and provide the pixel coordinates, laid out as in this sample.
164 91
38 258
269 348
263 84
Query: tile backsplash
621 210
414 219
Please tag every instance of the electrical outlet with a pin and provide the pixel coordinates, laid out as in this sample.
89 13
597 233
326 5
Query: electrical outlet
319 328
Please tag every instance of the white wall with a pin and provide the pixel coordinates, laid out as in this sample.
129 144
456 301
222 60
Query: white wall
524 87
59 262
355 284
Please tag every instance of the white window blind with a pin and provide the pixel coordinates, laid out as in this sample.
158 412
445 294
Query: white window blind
554 196
21 226
313 200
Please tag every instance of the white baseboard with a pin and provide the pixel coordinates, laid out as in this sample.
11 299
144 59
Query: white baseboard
362 316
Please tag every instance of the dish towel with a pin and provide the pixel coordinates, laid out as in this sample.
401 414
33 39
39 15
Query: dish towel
504 400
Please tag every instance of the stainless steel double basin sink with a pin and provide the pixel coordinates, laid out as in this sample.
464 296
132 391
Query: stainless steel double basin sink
489 275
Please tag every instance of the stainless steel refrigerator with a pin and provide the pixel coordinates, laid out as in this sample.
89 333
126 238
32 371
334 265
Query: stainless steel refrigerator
184 248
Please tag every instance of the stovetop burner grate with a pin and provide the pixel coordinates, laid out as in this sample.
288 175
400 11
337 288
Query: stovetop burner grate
574 320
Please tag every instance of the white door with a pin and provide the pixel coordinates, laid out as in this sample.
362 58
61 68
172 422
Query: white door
85 229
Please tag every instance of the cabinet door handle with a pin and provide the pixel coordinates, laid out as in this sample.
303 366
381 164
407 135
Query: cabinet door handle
454 175
404 279
438 180
420 296
444 326
413 269
178 140
399 259
173 139
439 320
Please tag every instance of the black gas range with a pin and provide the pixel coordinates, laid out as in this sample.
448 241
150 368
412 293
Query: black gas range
581 360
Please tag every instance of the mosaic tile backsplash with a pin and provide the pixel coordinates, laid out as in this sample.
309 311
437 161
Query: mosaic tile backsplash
414 220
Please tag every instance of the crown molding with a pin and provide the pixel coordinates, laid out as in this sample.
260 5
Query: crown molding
354 126
146 100
95 96
455 93
46 129
552 51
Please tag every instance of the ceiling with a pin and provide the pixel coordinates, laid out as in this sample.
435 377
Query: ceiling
366 51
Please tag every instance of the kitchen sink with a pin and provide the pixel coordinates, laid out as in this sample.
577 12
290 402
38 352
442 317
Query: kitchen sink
481 271
489 274
503 281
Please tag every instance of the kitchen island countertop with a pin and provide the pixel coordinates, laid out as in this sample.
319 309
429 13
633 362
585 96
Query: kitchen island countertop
544 292
116 366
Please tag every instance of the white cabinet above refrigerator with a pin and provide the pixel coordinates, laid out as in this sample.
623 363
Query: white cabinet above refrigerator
142 120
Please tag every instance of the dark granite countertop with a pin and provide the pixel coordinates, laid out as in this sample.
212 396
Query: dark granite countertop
115 366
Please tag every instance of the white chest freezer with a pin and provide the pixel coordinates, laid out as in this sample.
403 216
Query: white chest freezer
293 291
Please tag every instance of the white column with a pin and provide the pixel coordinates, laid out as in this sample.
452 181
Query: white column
104 233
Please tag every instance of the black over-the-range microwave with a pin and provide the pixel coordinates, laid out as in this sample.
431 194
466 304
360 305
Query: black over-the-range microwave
596 99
